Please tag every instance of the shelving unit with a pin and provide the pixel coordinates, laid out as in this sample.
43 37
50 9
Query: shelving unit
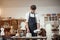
7 23
53 19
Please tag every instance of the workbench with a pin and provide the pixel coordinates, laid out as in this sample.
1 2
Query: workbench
30 38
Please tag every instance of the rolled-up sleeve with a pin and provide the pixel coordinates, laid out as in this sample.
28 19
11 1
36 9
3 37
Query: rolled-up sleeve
37 18
27 17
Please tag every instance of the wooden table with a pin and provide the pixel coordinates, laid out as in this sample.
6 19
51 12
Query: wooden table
24 38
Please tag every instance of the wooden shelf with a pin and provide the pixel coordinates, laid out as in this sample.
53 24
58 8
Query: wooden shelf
55 29
12 22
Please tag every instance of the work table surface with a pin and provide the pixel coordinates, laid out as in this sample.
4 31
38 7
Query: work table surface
29 37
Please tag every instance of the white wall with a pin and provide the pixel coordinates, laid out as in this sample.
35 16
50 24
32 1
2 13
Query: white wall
18 8
20 12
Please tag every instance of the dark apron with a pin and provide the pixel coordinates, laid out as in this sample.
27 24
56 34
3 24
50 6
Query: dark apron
32 24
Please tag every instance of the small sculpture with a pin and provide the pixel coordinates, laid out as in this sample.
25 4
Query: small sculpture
2 31
11 30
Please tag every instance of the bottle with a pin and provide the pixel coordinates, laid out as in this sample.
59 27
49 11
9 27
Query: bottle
11 30
59 29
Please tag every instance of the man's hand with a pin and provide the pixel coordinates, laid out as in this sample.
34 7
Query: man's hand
27 27
28 31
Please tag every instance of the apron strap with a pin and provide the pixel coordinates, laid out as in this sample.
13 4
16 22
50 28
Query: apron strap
32 13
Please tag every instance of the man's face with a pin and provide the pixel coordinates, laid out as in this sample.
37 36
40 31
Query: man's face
33 11
33 8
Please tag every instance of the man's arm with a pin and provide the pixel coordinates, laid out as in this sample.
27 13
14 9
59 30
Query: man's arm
26 22
27 27
38 25
38 21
